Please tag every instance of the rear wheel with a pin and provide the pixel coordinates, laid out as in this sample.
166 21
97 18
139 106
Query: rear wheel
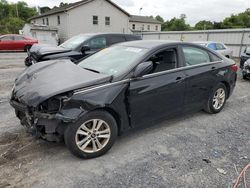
217 99
92 135
244 76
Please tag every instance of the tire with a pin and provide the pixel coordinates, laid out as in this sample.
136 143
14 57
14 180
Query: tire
244 76
27 62
26 48
82 132
211 103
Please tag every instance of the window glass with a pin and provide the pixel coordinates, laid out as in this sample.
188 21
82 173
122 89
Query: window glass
97 43
164 60
18 38
74 42
195 56
47 21
95 20
43 21
142 27
115 60
116 39
212 46
220 46
6 38
107 20
148 27
156 27
133 26
58 20
247 50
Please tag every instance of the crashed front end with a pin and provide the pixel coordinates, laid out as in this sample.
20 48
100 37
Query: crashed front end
49 119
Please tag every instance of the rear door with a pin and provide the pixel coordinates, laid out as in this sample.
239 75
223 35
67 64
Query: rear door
6 43
201 75
160 93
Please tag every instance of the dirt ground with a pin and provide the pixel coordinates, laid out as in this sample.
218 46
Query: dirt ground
196 150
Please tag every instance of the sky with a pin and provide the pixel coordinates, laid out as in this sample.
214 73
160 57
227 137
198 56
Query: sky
195 10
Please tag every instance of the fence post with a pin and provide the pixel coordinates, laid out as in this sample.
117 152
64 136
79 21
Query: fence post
241 43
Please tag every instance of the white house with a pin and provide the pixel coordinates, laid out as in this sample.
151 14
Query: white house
143 24
86 16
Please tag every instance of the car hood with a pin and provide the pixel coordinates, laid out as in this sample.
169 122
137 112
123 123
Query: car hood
39 50
44 80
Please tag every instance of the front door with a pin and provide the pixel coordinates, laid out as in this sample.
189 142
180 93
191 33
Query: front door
160 93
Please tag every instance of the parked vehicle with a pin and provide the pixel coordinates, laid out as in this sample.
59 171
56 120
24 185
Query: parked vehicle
218 47
246 69
124 86
13 42
244 56
76 47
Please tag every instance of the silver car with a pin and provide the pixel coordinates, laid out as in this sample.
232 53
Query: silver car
218 47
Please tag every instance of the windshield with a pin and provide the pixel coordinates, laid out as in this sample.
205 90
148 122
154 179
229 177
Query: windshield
114 60
74 42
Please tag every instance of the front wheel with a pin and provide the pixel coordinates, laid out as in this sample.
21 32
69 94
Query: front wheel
217 99
92 135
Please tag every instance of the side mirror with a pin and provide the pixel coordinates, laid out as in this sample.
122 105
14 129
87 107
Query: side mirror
85 48
143 68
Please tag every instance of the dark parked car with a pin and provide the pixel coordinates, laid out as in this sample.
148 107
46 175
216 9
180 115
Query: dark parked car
124 86
14 42
77 47
246 69
244 56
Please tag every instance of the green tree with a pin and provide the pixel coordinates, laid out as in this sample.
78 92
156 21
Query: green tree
176 24
202 25
159 18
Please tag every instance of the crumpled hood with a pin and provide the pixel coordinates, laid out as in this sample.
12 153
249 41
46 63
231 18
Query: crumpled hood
43 80
39 50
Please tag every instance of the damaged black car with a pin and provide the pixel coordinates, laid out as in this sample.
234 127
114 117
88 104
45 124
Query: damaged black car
246 70
125 86
76 47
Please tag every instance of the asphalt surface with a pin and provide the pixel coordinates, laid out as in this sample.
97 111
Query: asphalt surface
195 150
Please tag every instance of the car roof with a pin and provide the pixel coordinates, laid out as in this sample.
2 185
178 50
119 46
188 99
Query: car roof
206 42
150 44
96 34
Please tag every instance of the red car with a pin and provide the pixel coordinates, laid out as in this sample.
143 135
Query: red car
13 42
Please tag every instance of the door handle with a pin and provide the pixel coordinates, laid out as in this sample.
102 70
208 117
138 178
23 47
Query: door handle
179 79
213 68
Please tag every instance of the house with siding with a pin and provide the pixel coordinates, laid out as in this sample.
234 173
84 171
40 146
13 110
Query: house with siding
86 16
144 24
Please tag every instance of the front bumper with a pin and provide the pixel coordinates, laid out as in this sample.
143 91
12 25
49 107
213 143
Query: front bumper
40 125
246 72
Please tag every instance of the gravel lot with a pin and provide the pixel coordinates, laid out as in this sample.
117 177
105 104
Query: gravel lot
187 151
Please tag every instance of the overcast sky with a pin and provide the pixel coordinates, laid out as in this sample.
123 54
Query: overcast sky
196 10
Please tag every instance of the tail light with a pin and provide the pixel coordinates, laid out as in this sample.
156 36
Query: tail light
234 68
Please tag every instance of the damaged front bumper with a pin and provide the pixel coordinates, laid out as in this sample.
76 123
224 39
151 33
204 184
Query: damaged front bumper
44 125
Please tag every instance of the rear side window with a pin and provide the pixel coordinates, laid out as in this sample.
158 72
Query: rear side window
195 56
6 38
116 39
212 46
220 46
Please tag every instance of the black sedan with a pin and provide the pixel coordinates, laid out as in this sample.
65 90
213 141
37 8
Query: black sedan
121 87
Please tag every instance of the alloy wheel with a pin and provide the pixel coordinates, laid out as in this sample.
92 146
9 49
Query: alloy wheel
219 98
92 135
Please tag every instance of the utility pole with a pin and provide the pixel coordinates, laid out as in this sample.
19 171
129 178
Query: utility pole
140 11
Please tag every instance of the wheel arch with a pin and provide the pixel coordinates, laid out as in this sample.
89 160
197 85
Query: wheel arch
115 115
227 86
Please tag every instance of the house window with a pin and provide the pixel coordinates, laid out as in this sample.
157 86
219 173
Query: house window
47 21
107 20
156 27
58 20
148 27
95 20
43 21
133 26
142 27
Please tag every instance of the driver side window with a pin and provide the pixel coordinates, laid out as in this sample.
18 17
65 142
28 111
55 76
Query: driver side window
164 60
97 43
